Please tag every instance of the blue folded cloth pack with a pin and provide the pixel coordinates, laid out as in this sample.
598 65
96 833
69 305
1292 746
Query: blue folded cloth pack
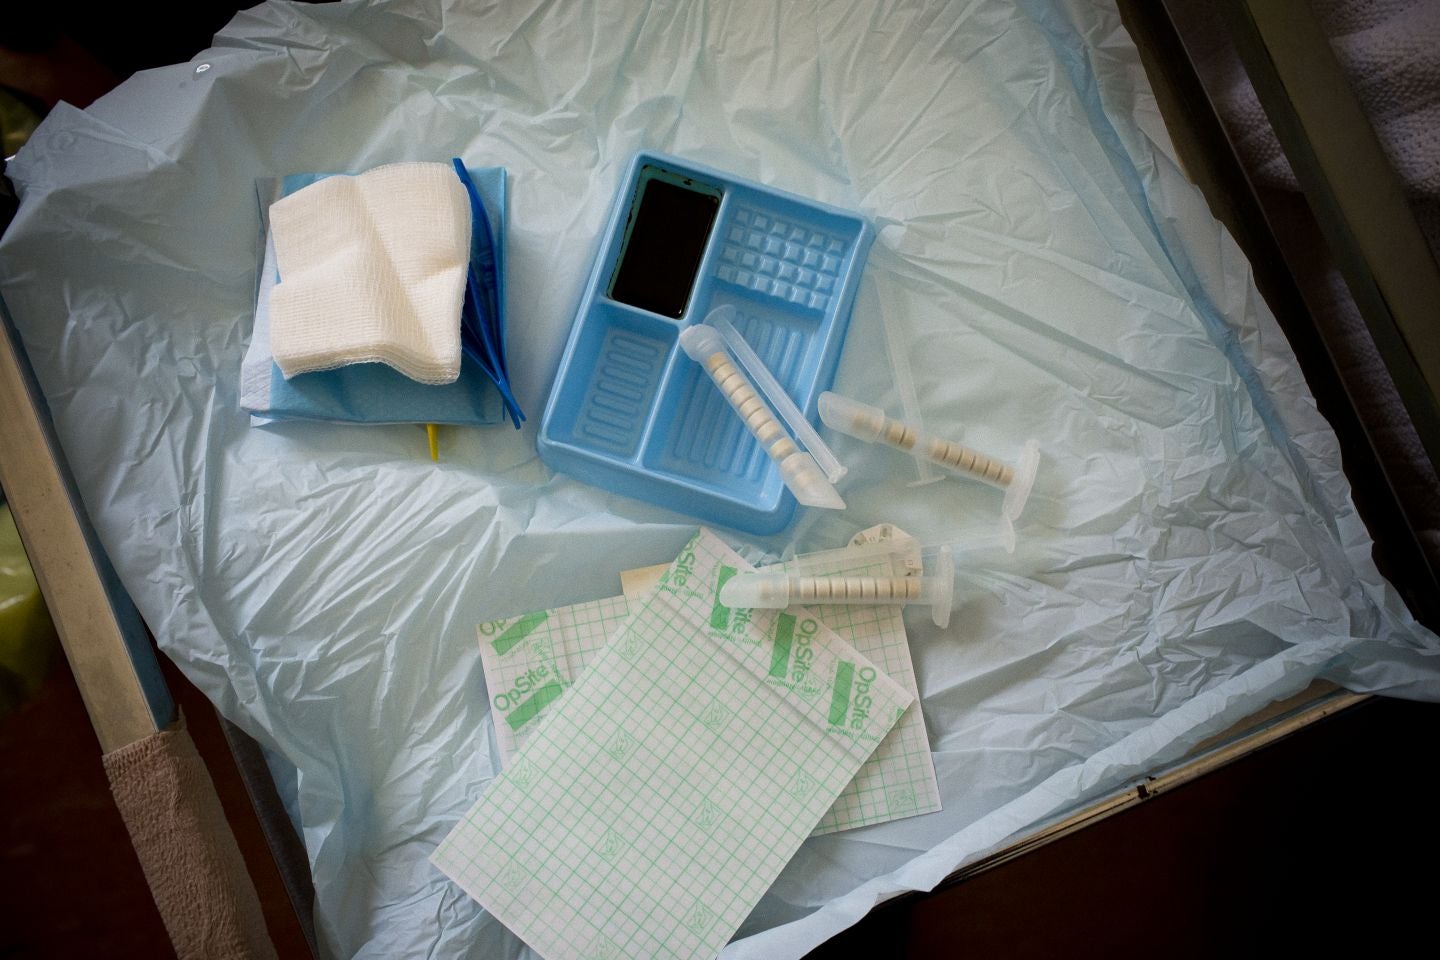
375 392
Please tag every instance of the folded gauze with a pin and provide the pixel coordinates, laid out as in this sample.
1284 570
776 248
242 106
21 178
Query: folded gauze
372 269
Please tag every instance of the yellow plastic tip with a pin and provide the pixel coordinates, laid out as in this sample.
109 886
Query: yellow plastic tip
433 433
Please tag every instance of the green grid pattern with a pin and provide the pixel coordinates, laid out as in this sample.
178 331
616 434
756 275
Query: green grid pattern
897 781
655 805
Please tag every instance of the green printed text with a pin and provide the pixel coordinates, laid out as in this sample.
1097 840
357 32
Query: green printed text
840 693
719 613
529 709
513 634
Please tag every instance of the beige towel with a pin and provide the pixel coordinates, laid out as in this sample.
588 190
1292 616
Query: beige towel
186 849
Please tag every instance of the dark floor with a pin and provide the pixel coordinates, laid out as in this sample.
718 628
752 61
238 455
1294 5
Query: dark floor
73 885
1325 837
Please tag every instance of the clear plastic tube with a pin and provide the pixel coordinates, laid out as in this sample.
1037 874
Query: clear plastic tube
797 468
868 423
896 346
719 318
775 591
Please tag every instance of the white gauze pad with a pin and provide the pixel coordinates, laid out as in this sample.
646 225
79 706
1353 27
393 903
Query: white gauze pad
372 269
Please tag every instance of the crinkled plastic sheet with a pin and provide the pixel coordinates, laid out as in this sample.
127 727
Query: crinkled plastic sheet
1191 551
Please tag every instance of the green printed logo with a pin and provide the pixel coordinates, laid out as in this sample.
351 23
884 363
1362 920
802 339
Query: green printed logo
523 686
900 801
811 686
513 634
780 652
801 786
621 747
850 697
739 620
707 816
719 613
530 708
840 692
698 919
522 774
680 572
792 656
611 846
715 716
514 878
602 948
629 645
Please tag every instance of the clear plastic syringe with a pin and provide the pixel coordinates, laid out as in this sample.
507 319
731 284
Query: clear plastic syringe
797 468
868 423
776 591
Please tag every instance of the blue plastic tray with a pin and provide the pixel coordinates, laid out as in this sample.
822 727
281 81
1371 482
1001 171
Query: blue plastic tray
631 413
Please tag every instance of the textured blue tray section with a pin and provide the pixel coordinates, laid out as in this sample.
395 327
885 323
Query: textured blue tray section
630 412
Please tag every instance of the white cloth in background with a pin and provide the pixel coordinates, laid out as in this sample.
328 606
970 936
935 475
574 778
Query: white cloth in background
1390 53
372 269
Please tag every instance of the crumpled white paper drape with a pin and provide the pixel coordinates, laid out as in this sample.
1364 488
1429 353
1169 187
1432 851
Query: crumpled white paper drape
1190 552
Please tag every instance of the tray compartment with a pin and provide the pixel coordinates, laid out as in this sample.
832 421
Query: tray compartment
625 351
782 250
629 410
704 440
